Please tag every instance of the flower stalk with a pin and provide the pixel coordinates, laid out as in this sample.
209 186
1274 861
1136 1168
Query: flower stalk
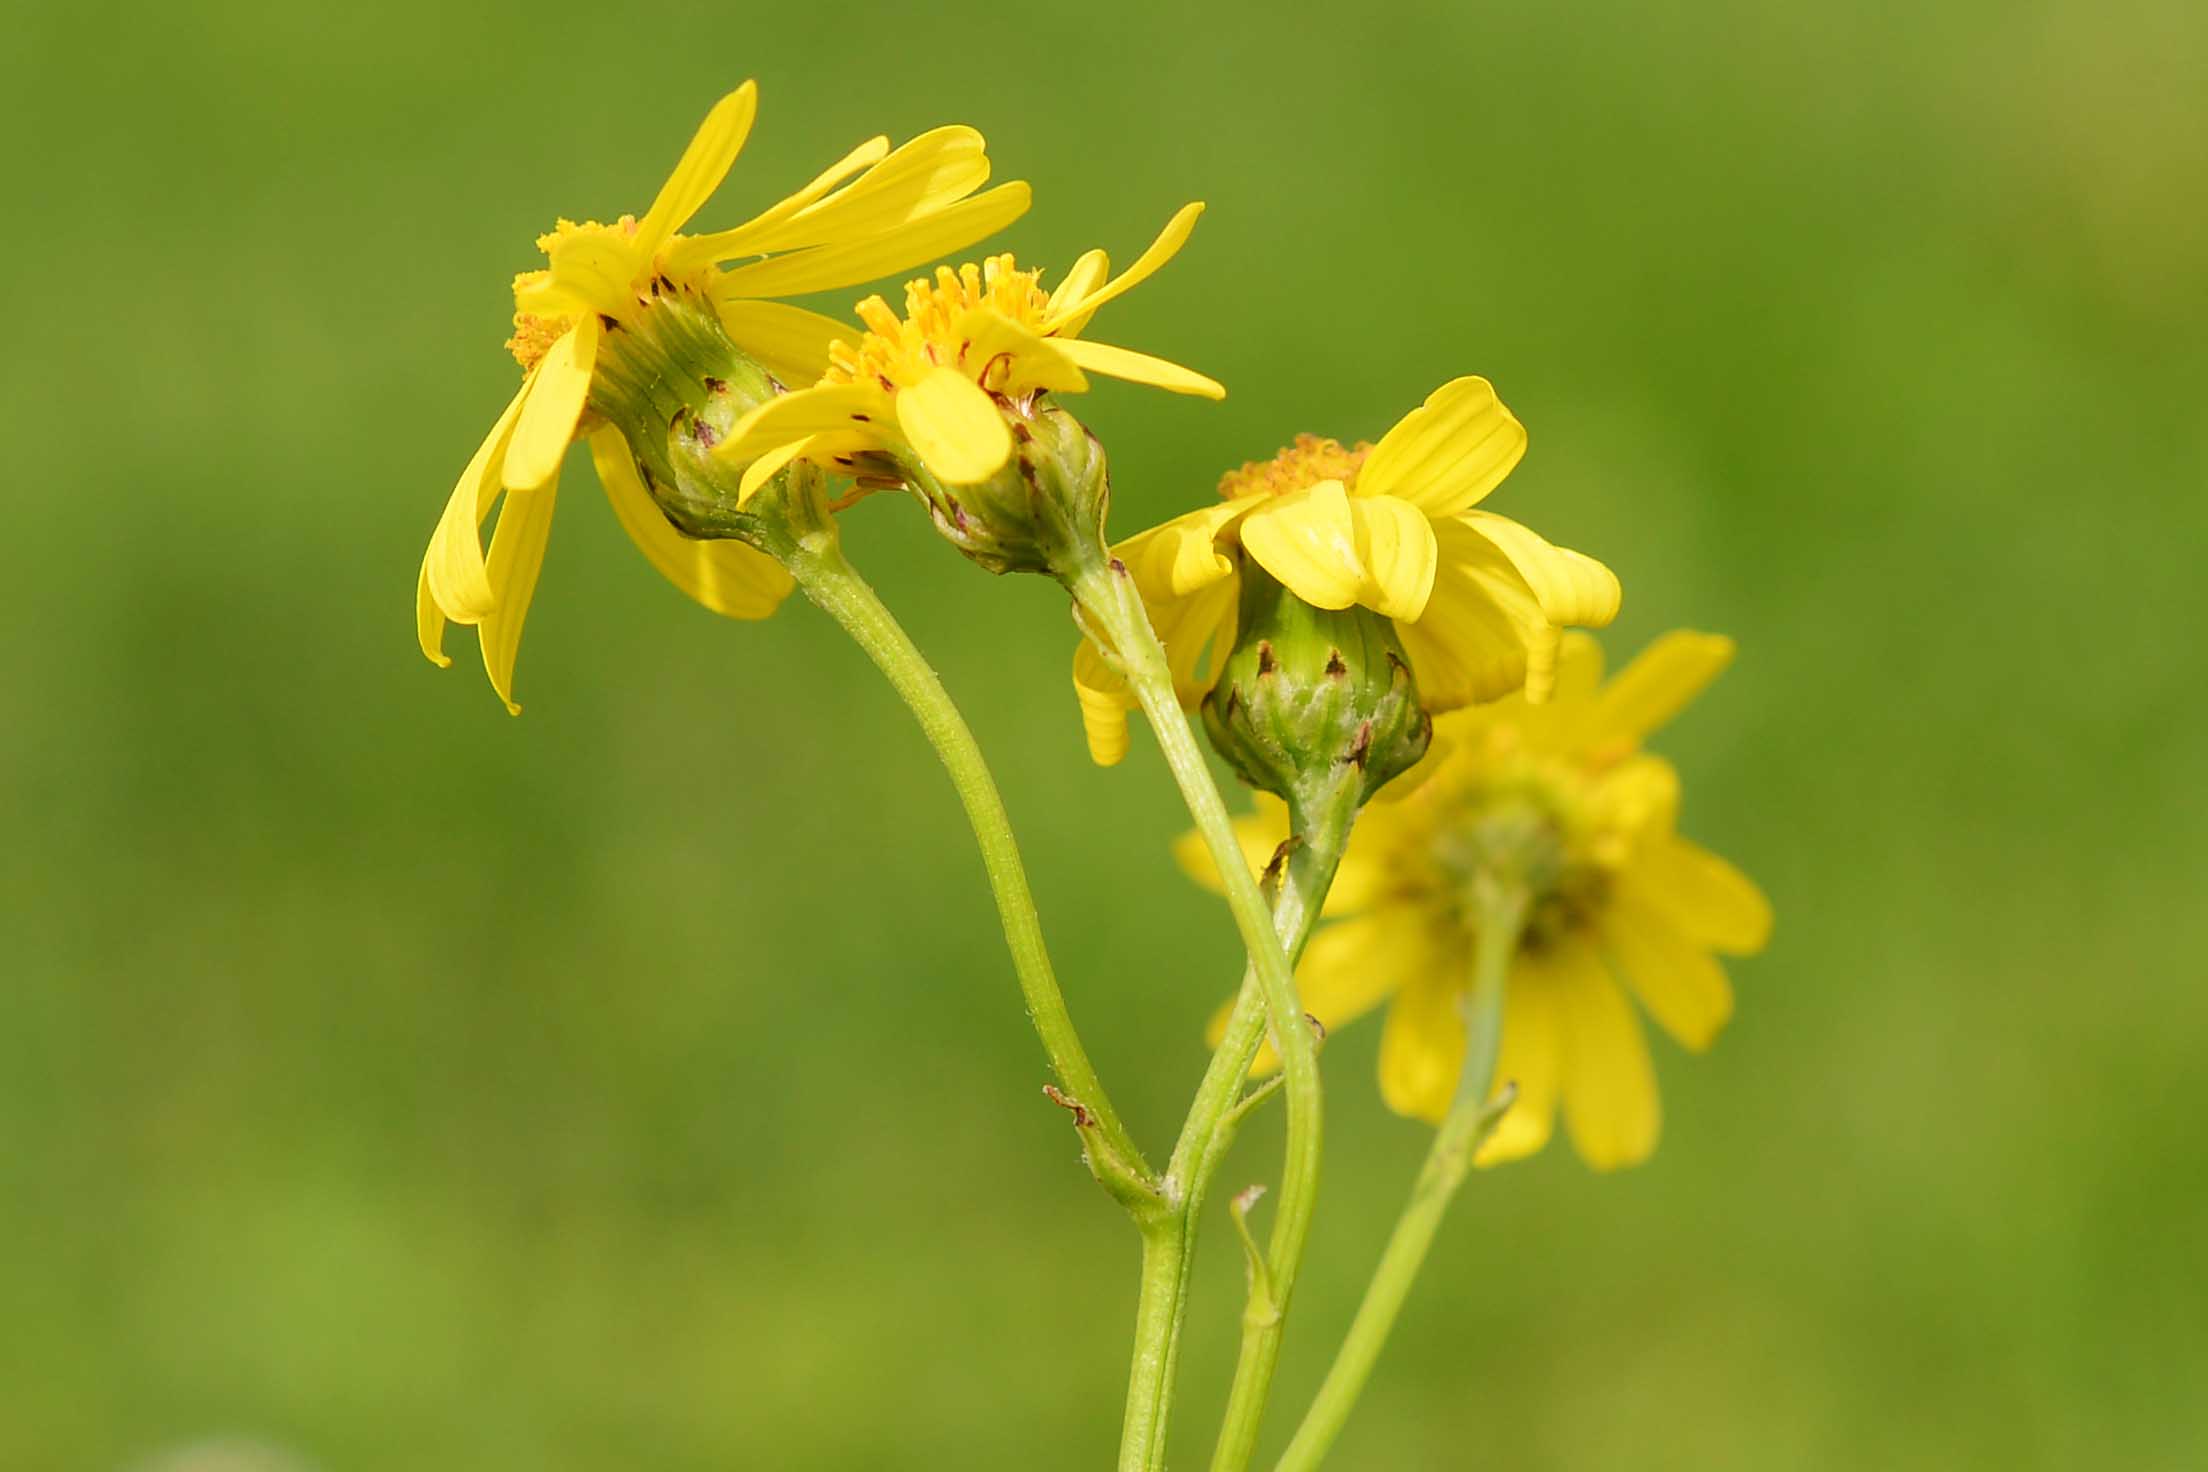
1500 904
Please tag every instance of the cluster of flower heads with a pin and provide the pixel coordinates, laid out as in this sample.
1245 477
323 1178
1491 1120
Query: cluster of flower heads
954 392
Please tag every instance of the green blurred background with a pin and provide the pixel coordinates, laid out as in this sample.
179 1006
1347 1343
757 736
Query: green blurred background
412 1087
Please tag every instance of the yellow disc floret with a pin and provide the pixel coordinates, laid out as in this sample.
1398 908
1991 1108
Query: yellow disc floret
933 332
1308 461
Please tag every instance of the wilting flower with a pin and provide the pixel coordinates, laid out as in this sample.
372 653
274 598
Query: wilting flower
1623 906
1477 599
874 212
933 387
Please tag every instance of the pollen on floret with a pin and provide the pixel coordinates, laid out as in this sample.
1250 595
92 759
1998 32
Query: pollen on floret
1308 461
899 349
534 335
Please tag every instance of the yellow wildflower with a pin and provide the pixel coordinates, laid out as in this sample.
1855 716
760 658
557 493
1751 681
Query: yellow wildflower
874 212
1626 907
930 385
1476 598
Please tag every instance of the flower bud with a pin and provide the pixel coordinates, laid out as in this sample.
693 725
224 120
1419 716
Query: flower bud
1042 511
1308 692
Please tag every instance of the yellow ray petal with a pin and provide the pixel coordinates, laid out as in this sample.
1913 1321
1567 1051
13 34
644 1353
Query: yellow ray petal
1308 542
429 624
1530 1057
1637 794
931 171
954 427
1469 643
790 341
554 407
704 164
1351 968
1069 318
1395 544
1573 588
1105 701
1610 1105
517 557
1087 273
1422 1045
1678 981
1701 894
1578 669
727 577
452 570
825 267
787 418
693 251
1136 367
1177 557
995 350
1449 452
772 464
1653 688
589 273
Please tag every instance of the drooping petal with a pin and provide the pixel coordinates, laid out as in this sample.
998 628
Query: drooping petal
954 427
1068 319
1136 367
790 341
931 171
693 251
554 407
452 570
1422 1046
1308 542
429 623
1610 1104
1449 452
1105 701
1395 544
1573 588
1531 1057
826 267
517 557
1701 894
704 164
1653 688
1469 643
727 577
1677 980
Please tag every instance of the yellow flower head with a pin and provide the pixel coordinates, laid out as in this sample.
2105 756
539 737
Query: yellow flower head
1628 910
876 211
927 385
1477 599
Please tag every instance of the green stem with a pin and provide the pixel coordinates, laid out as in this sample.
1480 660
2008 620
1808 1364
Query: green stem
1501 910
814 557
1107 598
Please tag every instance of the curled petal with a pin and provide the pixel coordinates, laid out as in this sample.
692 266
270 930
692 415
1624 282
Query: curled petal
1449 452
954 427
1307 540
727 577
452 570
555 406
1068 319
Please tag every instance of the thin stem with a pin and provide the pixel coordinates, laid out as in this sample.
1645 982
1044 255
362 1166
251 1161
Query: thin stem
1472 1115
1108 600
815 559
1327 814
